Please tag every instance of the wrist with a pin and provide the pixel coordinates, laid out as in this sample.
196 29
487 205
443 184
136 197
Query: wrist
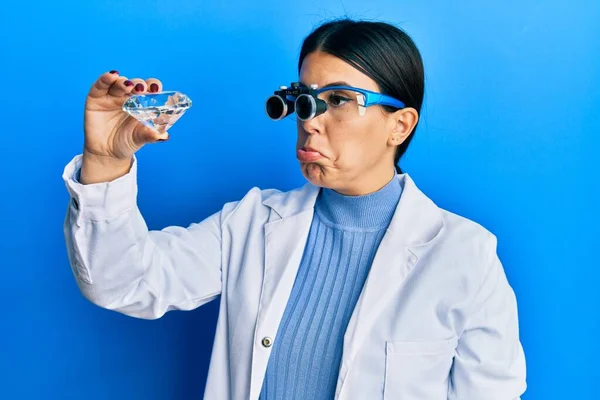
105 161
97 168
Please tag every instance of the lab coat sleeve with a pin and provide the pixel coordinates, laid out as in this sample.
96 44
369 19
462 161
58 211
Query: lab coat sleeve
489 362
119 264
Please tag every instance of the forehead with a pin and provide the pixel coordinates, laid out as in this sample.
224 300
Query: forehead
323 68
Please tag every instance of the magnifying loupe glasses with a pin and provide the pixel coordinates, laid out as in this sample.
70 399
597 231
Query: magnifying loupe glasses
309 102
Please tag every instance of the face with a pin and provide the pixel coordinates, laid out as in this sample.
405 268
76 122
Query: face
357 152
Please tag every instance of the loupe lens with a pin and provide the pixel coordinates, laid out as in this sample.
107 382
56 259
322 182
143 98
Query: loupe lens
308 107
305 107
277 108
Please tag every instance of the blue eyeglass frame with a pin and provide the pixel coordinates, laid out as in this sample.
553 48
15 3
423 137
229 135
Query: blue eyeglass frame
371 98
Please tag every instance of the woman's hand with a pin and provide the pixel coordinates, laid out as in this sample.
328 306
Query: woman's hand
109 131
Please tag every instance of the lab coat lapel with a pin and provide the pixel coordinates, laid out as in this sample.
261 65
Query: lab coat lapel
415 222
286 234
285 238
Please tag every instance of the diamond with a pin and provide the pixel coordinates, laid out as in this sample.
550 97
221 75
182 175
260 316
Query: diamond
158 111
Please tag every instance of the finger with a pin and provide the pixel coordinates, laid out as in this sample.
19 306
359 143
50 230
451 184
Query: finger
103 83
154 85
121 87
139 86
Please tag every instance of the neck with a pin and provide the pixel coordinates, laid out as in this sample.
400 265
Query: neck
369 211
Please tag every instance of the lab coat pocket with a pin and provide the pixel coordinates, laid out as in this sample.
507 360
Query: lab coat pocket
418 370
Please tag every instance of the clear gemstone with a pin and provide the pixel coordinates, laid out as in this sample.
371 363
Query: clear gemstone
158 110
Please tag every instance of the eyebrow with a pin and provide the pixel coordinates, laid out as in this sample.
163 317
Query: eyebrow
338 83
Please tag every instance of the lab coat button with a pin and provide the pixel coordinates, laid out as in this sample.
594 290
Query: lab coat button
267 341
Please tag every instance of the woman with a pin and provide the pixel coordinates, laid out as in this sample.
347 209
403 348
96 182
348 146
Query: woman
354 286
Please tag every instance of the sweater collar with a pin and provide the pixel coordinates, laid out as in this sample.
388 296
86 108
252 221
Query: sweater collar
373 210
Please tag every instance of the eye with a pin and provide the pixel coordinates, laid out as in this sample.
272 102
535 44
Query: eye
337 100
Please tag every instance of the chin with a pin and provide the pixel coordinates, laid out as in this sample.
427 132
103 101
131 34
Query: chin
313 173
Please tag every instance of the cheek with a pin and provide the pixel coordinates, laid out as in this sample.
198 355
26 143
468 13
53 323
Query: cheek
353 141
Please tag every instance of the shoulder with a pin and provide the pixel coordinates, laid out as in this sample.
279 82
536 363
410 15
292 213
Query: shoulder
258 202
467 250
465 230
426 222
462 247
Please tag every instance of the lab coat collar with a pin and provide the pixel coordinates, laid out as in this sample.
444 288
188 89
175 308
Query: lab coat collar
417 219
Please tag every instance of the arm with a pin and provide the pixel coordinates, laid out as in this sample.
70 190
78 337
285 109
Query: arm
120 265
489 362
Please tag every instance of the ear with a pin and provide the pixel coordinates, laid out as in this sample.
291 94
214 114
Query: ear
402 123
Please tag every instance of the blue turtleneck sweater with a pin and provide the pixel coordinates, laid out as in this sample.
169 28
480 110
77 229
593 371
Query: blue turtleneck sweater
344 236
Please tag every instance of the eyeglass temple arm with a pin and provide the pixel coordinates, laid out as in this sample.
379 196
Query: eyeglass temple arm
370 97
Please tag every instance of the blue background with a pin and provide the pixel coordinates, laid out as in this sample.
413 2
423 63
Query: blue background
508 137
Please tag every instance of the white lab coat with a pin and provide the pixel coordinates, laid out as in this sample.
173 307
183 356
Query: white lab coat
436 320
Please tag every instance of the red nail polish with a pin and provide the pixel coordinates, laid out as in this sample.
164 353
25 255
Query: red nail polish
114 71
128 83
139 87
154 87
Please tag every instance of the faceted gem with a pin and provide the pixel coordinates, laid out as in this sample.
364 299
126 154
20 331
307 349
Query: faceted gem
158 110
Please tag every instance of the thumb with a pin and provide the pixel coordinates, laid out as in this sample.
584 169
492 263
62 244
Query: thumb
150 135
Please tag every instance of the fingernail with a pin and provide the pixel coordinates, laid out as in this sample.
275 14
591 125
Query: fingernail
139 87
114 71
128 83
154 87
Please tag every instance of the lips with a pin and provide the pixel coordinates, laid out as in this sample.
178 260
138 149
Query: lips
308 154
308 148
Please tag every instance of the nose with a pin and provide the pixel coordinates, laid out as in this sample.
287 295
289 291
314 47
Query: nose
312 126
